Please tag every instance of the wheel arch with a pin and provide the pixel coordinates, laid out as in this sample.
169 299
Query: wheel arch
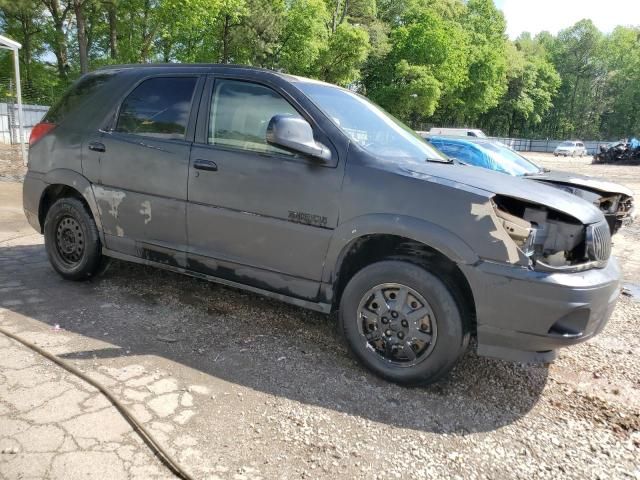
67 183
380 237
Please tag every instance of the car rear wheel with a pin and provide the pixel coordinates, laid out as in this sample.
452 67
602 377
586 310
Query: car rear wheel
71 240
402 322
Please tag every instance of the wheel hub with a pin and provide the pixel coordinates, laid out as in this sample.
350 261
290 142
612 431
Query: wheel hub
69 240
397 324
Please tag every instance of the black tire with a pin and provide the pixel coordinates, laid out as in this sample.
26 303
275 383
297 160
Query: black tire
450 340
72 241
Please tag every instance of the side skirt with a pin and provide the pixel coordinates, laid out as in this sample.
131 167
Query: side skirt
318 307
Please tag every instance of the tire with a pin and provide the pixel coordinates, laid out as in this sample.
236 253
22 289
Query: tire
449 336
555 154
72 241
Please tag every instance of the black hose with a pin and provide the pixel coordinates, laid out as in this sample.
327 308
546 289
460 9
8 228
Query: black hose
157 449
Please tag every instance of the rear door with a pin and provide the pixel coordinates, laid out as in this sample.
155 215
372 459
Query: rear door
257 214
143 168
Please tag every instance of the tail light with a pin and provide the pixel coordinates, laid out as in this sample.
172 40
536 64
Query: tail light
39 131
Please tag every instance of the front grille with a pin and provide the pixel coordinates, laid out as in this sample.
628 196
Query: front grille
599 242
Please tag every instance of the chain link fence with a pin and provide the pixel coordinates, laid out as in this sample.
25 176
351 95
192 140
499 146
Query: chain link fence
14 128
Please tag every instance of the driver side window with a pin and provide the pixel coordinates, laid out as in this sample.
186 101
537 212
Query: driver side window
240 113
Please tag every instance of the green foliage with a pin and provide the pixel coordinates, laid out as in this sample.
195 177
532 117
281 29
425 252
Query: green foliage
339 61
305 35
412 94
443 62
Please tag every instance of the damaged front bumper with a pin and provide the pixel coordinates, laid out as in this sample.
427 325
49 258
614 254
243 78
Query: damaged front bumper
525 315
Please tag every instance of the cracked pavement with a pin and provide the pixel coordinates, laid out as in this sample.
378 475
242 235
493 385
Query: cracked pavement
241 387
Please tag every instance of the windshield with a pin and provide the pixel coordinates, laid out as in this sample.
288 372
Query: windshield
566 144
368 125
509 161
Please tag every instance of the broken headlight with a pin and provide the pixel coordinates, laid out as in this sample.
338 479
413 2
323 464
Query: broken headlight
523 233
550 239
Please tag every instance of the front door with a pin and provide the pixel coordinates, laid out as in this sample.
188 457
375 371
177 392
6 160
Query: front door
257 214
144 161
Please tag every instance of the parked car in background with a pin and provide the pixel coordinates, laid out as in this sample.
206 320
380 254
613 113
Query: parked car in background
459 132
570 149
614 200
308 193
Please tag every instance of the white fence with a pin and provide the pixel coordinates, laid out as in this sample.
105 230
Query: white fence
9 121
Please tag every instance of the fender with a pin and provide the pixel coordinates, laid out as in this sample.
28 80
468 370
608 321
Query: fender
436 237
70 178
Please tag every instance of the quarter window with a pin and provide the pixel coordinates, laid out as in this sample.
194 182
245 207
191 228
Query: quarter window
158 107
240 115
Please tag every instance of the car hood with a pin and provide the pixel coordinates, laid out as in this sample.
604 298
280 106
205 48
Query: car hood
501 184
582 181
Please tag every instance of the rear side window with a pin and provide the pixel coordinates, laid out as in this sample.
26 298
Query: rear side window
77 95
240 113
158 107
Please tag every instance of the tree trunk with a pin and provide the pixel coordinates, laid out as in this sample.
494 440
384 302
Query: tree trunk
81 27
58 17
113 30
226 27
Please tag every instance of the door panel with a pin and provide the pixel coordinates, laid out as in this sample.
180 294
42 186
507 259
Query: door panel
143 169
142 192
268 212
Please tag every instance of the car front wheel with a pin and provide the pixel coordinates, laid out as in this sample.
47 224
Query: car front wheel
402 322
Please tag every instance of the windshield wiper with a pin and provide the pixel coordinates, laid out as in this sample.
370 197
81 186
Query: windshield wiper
438 160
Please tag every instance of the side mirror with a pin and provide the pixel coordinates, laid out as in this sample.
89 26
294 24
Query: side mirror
295 135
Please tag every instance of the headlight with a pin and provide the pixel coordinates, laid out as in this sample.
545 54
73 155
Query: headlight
552 240
521 232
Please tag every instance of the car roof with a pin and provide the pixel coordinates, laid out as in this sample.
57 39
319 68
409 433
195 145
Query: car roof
464 140
208 68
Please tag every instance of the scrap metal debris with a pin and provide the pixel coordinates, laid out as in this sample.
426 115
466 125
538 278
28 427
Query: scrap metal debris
621 152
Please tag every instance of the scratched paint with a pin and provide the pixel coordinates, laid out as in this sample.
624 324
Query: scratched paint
146 211
113 198
482 210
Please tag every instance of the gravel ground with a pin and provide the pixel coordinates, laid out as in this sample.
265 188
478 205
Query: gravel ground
275 394
11 166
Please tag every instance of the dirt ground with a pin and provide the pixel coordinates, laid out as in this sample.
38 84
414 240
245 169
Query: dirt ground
239 386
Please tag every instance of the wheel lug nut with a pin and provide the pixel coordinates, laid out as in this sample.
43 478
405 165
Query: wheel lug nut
388 333
394 314
400 335
385 320
405 323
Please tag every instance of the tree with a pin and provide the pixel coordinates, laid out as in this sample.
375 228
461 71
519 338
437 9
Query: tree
57 38
621 115
576 54
532 82
23 19
486 80
303 37
340 59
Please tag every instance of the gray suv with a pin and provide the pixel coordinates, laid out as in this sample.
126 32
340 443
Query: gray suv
311 194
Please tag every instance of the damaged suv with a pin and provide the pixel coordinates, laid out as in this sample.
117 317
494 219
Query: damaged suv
309 193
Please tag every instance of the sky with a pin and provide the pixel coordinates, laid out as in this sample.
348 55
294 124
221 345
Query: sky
553 15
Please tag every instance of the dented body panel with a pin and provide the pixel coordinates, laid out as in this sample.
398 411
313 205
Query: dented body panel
284 225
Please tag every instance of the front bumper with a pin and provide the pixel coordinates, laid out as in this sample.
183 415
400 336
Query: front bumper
524 315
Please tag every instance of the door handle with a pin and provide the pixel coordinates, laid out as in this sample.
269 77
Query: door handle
97 147
208 165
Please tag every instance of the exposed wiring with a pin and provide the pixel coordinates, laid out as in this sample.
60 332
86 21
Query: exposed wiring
157 449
